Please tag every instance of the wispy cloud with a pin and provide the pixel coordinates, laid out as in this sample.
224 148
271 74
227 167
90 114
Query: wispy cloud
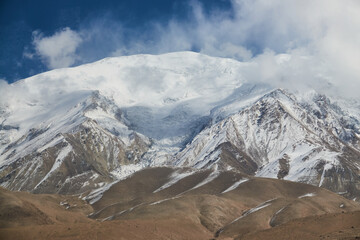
319 37
58 50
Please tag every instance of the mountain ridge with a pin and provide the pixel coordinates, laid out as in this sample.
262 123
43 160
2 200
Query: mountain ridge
94 124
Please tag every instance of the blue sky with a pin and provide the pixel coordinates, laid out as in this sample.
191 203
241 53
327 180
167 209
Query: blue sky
19 20
292 42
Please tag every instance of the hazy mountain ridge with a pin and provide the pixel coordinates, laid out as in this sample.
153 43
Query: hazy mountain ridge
73 130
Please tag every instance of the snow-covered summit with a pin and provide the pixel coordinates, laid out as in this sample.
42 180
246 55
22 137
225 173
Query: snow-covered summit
153 90
150 80
76 129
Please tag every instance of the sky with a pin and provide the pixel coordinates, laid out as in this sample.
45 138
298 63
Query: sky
38 35
293 42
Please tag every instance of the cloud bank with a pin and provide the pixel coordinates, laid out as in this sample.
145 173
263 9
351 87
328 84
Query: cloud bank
294 43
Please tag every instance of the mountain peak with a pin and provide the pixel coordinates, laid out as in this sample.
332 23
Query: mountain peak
105 120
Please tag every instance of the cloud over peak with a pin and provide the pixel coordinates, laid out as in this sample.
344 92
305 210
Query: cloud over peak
58 50
320 37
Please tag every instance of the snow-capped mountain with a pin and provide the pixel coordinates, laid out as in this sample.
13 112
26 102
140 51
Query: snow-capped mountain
279 136
76 129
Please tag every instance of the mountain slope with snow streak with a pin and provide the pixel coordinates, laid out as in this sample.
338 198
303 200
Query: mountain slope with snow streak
76 129
281 137
225 205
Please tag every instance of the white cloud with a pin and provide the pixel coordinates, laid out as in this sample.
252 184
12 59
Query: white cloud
319 37
58 50
228 49
27 54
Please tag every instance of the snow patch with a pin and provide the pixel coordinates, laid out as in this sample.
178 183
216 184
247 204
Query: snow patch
275 215
58 161
255 209
96 195
163 200
307 195
174 178
210 178
126 170
327 166
53 142
235 185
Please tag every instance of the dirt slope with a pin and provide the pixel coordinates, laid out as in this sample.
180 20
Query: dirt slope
166 203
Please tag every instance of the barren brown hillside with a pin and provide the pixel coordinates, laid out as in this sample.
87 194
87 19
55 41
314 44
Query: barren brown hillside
167 203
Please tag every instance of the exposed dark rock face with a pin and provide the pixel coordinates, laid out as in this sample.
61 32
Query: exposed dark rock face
284 167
